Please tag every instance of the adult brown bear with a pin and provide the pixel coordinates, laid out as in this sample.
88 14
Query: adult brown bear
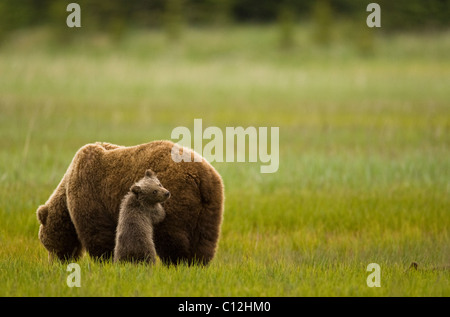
82 213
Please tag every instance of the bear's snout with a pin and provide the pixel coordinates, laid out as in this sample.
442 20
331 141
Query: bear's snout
167 194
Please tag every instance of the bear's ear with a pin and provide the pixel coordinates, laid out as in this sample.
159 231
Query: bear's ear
150 173
136 189
42 214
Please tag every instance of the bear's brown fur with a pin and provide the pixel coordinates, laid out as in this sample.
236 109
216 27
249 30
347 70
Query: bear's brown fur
83 211
140 210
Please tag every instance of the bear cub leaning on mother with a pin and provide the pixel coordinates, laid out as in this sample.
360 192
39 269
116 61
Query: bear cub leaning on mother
83 211
140 210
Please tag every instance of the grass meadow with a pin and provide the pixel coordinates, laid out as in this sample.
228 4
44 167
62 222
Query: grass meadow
364 172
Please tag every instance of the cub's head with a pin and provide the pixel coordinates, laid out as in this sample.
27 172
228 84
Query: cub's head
149 190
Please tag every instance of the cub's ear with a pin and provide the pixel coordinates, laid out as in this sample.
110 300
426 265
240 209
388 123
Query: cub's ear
136 189
150 173
42 213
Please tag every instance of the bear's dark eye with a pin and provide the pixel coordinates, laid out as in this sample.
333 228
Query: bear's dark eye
155 191
160 185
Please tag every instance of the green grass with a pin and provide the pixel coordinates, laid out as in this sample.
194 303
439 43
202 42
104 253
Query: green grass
364 156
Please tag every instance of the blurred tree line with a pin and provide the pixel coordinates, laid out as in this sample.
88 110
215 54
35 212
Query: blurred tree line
115 16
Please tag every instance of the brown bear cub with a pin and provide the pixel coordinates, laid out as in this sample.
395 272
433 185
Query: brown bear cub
140 210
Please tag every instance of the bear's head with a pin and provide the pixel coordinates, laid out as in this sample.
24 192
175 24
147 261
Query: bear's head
149 190
57 233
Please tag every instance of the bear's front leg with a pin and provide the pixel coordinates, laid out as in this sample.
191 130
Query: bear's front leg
95 229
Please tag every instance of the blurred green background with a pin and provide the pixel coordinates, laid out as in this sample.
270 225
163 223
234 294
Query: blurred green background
364 117
117 16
